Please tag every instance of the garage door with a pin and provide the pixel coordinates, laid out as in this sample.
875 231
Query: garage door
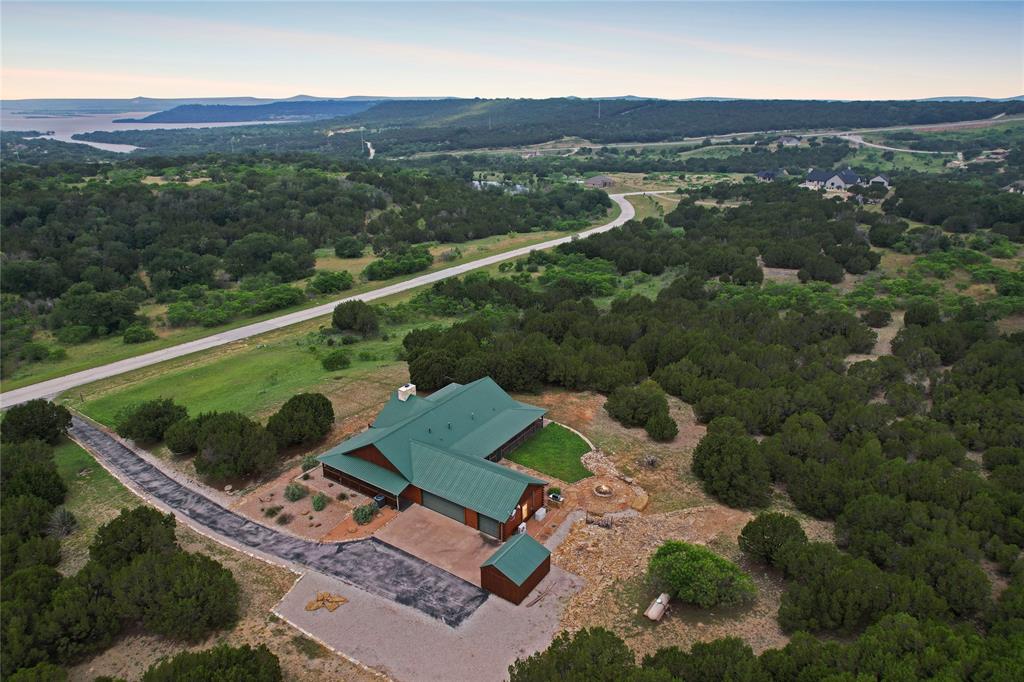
488 525
439 504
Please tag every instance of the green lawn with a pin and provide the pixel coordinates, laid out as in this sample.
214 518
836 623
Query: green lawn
555 451
94 497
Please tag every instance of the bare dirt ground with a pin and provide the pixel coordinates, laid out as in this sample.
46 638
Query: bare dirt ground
883 345
614 562
305 522
261 587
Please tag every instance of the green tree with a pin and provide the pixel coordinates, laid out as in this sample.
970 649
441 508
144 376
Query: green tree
136 531
222 662
348 247
730 465
305 418
590 655
696 575
147 422
27 468
356 316
763 537
36 419
230 444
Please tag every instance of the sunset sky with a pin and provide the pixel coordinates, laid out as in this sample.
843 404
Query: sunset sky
822 50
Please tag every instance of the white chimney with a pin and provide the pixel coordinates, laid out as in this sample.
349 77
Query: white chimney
405 391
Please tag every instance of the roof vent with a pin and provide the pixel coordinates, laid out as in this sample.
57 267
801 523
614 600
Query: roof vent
405 391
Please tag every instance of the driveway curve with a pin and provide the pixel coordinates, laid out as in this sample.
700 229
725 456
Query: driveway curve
53 387
371 565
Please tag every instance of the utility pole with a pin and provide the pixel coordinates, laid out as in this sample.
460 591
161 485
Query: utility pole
598 110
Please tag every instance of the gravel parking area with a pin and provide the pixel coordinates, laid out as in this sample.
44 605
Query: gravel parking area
412 647
371 565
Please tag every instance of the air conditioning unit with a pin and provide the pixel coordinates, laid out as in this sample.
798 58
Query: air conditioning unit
521 528
405 391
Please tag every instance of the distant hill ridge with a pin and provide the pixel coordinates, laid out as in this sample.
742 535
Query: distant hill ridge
287 110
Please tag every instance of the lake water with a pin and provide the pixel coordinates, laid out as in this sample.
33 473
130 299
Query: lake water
63 127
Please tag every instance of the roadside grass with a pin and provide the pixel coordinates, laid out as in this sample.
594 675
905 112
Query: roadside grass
111 349
252 377
870 158
554 451
94 497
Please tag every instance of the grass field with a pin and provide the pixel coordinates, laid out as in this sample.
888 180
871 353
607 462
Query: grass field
555 451
868 157
94 497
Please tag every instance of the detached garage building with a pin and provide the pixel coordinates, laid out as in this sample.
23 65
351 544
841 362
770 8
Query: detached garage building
516 568
441 451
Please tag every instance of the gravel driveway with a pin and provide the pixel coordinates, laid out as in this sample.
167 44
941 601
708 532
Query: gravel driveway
371 565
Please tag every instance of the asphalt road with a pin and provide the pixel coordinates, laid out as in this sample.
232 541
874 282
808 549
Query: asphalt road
371 565
53 387
857 139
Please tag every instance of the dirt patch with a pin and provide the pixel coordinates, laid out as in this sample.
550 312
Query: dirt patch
267 504
614 562
261 586
883 344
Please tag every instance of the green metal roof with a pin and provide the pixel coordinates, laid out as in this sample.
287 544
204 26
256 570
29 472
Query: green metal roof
478 484
366 471
472 419
518 558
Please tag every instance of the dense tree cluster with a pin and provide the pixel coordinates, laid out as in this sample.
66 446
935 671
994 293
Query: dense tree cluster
356 316
958 206
35 419
222 662
136 577
897 647
644 405
86 245
303 419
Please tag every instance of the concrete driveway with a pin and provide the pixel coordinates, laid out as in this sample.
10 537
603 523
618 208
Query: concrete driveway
371 565
441 541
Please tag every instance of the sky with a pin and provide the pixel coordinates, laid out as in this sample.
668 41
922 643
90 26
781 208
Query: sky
774 50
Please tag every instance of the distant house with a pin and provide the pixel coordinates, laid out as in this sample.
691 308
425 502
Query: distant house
881 179
1016 187
599 181
831 179
770 175
788 141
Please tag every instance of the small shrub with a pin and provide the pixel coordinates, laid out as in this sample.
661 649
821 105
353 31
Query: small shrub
138 333
335 360
271 512
295 492
348 340
319 502
364 514
305 476
342 496
180 437
62 523
309 462
284 519
554 490
75 334
876 318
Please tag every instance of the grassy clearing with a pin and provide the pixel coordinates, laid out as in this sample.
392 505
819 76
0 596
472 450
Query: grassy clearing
249 377
555 451
94 497
870 158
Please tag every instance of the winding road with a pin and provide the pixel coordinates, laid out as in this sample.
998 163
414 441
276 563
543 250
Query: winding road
53 387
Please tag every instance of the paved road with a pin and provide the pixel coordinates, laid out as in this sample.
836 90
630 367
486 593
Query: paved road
46 389
371 565
857 139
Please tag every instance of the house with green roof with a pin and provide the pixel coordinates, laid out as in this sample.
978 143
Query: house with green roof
442 451
515 568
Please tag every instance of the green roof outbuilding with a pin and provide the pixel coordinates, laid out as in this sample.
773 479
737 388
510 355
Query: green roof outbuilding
518 558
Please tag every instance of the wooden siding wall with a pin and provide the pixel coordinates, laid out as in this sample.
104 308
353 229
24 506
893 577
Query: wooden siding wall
358 485
534 494
370 453
495 582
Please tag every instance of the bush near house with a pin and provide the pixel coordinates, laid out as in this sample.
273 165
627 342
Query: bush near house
365 513
319 502
294 492
305 418
697 575
222 662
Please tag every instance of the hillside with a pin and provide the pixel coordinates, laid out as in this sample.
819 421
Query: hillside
406 126
219 113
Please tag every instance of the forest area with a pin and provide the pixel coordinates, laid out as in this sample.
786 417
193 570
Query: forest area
760 306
